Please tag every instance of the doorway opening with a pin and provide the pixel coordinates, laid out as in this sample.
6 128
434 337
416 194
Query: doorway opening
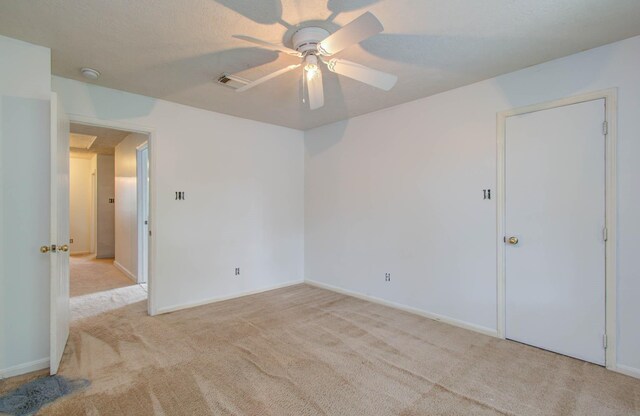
109 196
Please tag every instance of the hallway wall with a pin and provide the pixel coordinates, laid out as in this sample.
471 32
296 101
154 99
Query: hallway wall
80 203
106 209
126 215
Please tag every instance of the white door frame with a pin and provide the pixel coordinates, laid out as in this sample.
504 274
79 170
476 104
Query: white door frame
611 104
94 211
141 199
150 132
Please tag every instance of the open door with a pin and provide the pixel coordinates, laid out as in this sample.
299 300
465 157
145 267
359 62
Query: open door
60 313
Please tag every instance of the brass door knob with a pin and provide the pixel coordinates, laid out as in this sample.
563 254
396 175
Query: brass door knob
64 248
44 249
513 240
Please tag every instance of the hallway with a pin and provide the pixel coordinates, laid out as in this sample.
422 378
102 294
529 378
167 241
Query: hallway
97 286
91 275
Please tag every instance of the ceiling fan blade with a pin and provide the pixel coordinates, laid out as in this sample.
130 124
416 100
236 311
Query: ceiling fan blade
272 46
358 30
267 77
363 73
316 90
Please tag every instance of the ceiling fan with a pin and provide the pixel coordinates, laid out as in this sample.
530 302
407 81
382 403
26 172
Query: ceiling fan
313 44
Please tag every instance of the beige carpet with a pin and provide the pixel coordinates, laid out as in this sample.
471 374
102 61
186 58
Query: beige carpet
306 351
98 303
91 275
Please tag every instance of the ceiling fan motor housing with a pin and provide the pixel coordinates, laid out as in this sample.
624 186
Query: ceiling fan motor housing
306 39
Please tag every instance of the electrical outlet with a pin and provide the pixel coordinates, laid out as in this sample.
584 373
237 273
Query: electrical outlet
387 277
237 272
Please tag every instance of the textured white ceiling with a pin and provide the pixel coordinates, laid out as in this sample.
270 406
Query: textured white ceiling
106 142
174 49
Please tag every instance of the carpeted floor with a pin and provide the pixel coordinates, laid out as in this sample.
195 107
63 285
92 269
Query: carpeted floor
307 351
98 303
97 286
91 275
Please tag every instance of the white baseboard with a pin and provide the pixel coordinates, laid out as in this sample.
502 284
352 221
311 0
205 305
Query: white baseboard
627 371
174 308
25 368
125 271
410 309
79 253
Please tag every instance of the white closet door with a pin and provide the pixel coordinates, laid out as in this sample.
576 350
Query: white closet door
555 208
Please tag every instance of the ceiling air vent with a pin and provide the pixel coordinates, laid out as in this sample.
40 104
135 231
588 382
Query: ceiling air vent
232 81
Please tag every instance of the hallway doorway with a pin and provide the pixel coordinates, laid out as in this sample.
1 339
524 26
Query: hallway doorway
109 251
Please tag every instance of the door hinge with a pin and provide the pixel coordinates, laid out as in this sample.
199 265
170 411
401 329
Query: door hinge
605 234
604 341
605 127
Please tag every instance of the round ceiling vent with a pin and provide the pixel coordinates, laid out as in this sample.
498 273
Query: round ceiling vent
90 73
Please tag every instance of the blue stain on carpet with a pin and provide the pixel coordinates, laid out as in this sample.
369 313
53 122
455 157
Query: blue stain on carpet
30 397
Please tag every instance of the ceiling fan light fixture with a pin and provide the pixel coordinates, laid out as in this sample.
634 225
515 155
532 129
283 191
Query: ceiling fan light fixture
311 67
313 73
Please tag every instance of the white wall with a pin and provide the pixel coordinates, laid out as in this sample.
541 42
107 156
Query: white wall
105 225
25 85
80 203
243 184
400 191
25 69
126 215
